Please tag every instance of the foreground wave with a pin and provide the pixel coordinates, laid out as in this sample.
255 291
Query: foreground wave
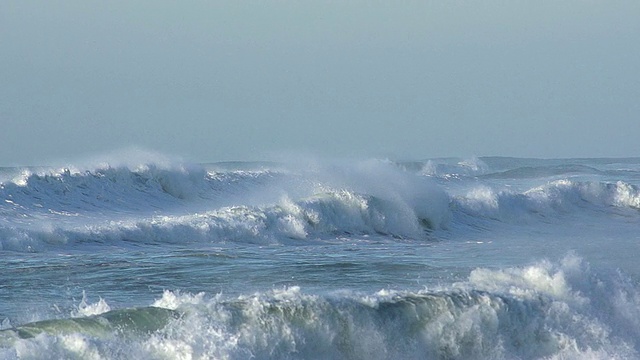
553 311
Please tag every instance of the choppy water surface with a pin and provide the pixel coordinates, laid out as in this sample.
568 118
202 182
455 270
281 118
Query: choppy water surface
444 259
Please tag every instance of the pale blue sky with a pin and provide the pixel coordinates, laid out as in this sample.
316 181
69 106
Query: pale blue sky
244 80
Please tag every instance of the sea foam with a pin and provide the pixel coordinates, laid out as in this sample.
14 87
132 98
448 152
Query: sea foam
545 310
151 203
177 203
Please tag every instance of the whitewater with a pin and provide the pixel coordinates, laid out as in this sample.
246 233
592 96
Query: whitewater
141 256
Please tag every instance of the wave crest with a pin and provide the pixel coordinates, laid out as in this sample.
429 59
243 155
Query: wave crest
173 202
544 310
560 196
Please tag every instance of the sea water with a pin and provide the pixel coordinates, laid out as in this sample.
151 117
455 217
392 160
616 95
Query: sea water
142 257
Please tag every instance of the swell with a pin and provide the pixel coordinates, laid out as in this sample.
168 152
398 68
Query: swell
543 171
522 168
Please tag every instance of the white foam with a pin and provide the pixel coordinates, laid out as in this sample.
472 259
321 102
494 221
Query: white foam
544 310
171 202
166 201
538 311
88 309
552 199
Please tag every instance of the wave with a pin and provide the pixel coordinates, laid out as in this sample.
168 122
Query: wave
142 188
178 203
545 310
135 321
321 215
543 171
550 200
521 168
449 168
153 203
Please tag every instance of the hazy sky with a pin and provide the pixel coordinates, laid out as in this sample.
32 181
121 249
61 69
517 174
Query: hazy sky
243 80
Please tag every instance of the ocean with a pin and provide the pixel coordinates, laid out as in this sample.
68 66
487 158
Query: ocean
147 257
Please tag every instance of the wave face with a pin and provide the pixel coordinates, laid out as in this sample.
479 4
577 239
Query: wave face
544 310
177 203
150 203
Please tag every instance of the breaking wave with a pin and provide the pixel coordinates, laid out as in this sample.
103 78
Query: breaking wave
176 203
545 310
552 199
164 202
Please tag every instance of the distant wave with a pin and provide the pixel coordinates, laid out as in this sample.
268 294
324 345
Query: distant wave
450 168
544 310
175 203
150 203
550 200
330 213
143 188
542 171
517 168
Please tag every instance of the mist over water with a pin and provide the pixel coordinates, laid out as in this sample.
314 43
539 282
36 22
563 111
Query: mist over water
150 257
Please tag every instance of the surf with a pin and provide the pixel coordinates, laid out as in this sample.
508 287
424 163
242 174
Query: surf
541 310
156 203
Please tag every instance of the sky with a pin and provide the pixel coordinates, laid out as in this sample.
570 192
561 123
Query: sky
247 80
